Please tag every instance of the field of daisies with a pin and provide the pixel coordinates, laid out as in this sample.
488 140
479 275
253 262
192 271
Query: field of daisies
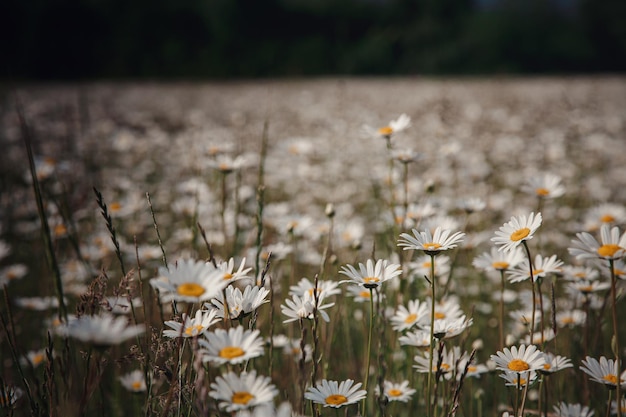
332 247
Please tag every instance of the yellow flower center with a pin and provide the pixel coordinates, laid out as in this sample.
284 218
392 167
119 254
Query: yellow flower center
394 392
542 192
410 318
439 315
136 385
522 381
426 265
336 399
385 131
520 234
365 294
500 265
190 331
547 366
60 230
241 397
472 368
231 352
518 365
369 280
431 246
312 291
607 218
37 359
445 367
610 378
586 288
537 271
227 276
618 272
190 289
115 206
567 320
608 250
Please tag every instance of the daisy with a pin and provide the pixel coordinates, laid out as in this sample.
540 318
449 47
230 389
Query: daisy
443 362
371 275
12 273
397 391
515 379
189 281
120 305
227 268
447 308
293 349
405 318
34 358
522 359
239 304
335 394
360 294
448 328
417 338
431 244
394 126
239 392
473 369
191 327
542 267
545 185
587 247
539 337
305 285
406 156
614 407
564 409
575 273
103 330
9 395
496 260
472 205
516 231
608 214
134 381
603 371
571 318
234 345
555 363
422 266
587 287
38 303
298 308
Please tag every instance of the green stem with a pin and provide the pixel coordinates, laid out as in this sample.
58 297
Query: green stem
432 335
615 341
532 282
369 349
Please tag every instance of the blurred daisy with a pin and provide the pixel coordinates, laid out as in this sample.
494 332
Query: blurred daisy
555 363
613 245
607 214
120 305
472 205
614 407
542 267
515 379
571 318
417 338
587 287
516 231
496 260
189 281
431 244
360 294
448 328
12 273
394 126
323 286
422 266
522 359
397 391
443 362
406 156
564 409
473 369
234 345
134 381
575 273
267 410
191 327
103 330
371 275
239 304
238 392
603 371
335 394
538 338
293 349
545 185
227 268
34 358
298 308
37 303
407 317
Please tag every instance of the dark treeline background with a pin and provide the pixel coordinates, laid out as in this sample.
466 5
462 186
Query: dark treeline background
86 39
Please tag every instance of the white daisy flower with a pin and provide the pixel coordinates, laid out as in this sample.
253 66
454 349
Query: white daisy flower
335 394
422 266
516 231
189 281
298 308
239 304
546 185
102 330
431 244
608 214
542 267
555 363
37 303
448 328
323 286
34 358
238 392
613 245
614 407
394 126
515 379
134 381
570 318
234 345
371 275
405 318
397 391
361 295
191 327
564 409
522 359
12 273
229 274
587 287
496 260
417 338
120 305
603 371
447 365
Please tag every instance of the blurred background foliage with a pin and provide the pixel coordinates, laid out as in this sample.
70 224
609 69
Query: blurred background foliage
86 39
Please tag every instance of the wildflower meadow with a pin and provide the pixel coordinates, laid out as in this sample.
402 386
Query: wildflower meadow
330 247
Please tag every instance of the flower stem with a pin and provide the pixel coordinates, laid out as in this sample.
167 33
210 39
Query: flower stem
615 341
432 335
369 349
532 282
